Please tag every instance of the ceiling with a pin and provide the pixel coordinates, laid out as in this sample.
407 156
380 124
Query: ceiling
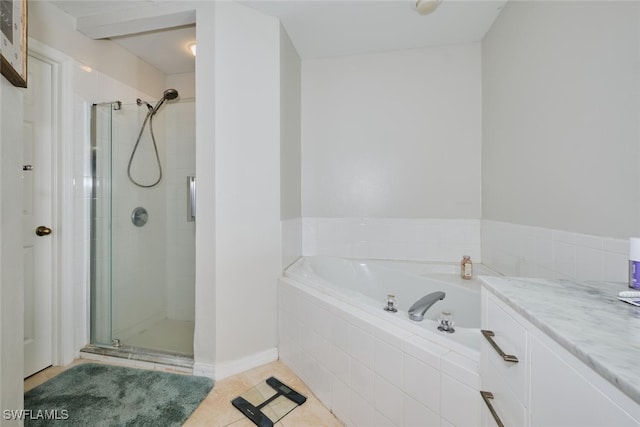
318 28
332 28
167 50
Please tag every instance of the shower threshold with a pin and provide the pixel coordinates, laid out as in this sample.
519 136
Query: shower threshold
139 354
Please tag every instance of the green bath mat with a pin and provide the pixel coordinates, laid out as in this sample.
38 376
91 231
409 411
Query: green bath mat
103 395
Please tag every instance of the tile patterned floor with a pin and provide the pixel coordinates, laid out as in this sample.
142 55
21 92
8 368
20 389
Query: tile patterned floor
216 409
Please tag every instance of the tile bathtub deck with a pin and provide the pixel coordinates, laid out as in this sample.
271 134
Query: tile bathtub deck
216 409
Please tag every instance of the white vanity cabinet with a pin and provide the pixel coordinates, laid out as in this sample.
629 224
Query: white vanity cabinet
503 369
547 386
561 395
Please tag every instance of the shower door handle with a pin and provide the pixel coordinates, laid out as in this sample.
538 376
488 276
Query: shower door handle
191 198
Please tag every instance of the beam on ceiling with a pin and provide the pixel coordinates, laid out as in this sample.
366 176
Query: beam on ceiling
140 19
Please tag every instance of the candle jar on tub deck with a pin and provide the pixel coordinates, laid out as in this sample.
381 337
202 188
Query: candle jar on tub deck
466 267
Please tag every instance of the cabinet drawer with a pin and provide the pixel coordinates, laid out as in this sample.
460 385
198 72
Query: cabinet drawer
561 396
510 337
505 404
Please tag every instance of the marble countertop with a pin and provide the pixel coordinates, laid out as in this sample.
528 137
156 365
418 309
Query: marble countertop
586 318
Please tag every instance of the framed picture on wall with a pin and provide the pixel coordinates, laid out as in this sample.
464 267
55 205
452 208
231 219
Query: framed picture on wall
13 41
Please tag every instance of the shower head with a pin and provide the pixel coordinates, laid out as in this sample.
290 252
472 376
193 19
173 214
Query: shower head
168 95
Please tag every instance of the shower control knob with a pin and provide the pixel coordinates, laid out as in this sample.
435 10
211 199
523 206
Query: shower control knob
139 216
43 231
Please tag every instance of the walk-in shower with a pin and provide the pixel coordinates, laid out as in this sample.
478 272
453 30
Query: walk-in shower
142 238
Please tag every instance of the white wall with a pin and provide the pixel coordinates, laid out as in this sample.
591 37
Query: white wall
11 295
56 29
290 124
204 342
391 154
290 150
184 83
238 250
561 98
247 186
393 134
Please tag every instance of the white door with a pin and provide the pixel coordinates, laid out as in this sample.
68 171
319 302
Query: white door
37 188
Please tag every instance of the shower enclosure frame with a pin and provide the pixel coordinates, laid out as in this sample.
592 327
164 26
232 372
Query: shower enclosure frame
102 186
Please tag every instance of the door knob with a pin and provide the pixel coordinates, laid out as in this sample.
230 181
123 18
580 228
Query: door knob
43 231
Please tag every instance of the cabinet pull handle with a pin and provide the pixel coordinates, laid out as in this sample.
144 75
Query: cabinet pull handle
486 396
507 357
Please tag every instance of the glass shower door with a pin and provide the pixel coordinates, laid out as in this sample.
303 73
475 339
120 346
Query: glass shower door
100 224
149 273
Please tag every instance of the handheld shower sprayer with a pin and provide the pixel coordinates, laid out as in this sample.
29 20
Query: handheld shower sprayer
168 95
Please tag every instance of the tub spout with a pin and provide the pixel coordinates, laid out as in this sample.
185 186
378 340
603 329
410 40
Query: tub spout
420 307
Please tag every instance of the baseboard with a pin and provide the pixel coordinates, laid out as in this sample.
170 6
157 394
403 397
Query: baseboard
204 370
227 369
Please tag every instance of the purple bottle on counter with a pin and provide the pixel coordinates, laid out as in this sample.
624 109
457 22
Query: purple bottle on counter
634 263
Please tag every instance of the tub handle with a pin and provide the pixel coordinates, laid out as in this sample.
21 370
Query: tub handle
506 357
487 396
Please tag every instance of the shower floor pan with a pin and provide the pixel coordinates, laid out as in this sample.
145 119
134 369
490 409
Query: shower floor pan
167 342
139 354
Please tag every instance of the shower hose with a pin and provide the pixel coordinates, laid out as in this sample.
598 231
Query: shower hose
148 118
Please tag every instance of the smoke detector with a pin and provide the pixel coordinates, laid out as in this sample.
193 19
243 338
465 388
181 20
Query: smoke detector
425 7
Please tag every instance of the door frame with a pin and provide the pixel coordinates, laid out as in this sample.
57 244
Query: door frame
63 332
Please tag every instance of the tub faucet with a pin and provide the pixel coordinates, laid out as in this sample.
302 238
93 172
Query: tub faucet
420 307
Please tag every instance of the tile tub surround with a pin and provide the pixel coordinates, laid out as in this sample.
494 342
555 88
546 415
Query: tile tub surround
523 250
370 372
413 239
512 249
585 318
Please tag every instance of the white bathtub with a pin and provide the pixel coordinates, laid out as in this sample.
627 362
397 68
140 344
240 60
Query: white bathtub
366 283
367 364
